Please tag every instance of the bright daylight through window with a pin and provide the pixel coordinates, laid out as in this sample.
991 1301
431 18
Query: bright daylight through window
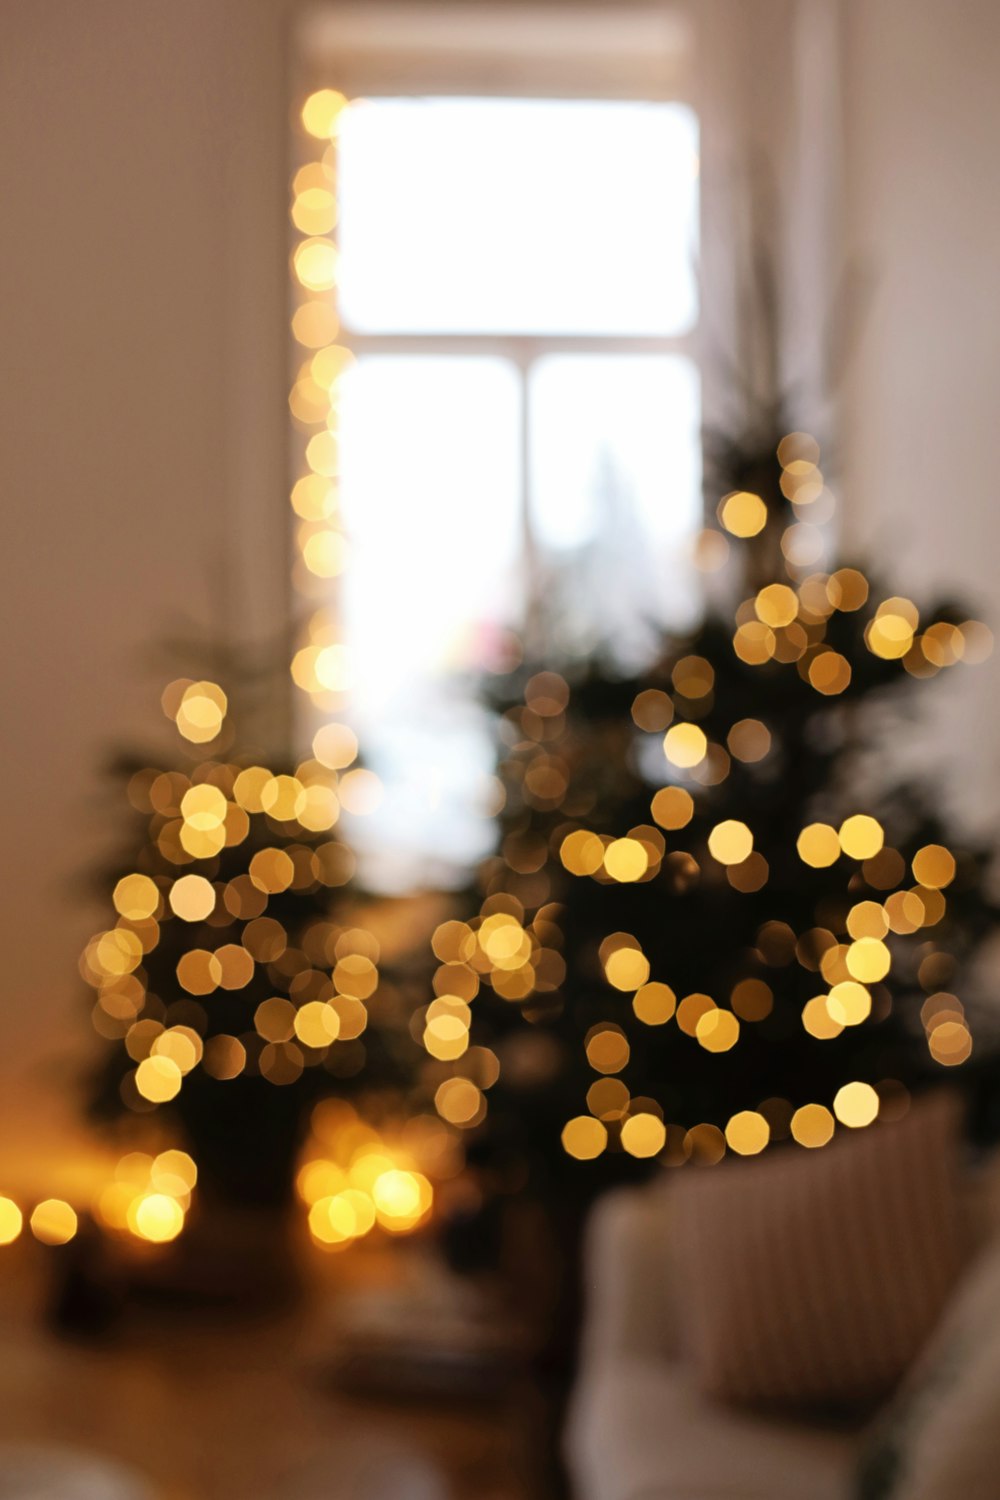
518 433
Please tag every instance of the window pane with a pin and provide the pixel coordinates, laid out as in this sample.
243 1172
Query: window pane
615 481
511 215
430 485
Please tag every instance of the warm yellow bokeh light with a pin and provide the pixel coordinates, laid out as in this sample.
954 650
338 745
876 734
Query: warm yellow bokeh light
934 866
582 853
730 842
818 845
643 1135
156 1217
742 513
693 677
690 1011
626 860
333 1220
314 210
136 897
685 745
458 1101
654 1003
315 324
584 1137
325 553
672 807
830 673
950 1043
861 837
754 642
401 1198
158 1079
890 634
717 1030
849 1003
626 968
203 807
812 1125
192 898
199 972
11 1221
201 712
867 919
181 1044
747 1133
847 589
317 1024
607 1049
335 746
818 1021
856 1104
322 111
446 1037
868 960
173 1172
271 870
315 261
53 1222
776 605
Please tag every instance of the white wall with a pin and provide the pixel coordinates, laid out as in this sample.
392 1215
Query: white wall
922 107
142 428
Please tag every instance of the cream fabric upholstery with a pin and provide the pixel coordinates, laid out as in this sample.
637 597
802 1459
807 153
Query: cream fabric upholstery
628 1295
947 1417
640 1431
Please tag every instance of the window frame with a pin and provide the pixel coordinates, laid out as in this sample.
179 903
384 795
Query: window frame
452 52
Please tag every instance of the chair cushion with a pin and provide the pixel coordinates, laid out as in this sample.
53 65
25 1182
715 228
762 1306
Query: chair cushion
940 1437
814 1277
640 1430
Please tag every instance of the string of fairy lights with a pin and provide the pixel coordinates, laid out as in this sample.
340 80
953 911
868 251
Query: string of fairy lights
321 666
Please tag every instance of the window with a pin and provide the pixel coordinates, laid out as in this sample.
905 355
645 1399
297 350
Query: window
518 430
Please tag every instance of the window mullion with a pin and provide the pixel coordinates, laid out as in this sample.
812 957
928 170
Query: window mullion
516 346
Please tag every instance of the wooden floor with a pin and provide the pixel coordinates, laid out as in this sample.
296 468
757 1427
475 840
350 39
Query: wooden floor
226 1408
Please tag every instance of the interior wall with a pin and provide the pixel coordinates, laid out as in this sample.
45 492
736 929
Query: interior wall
922 120
142 261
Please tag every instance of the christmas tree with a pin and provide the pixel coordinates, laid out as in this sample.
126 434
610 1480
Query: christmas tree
715 919
237 981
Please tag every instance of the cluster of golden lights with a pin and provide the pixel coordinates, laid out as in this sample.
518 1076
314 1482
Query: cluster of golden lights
786 621
322 981
639 1127
147 1198
354 1179
499 948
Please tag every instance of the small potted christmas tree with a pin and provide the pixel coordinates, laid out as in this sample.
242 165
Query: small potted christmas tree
236 983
